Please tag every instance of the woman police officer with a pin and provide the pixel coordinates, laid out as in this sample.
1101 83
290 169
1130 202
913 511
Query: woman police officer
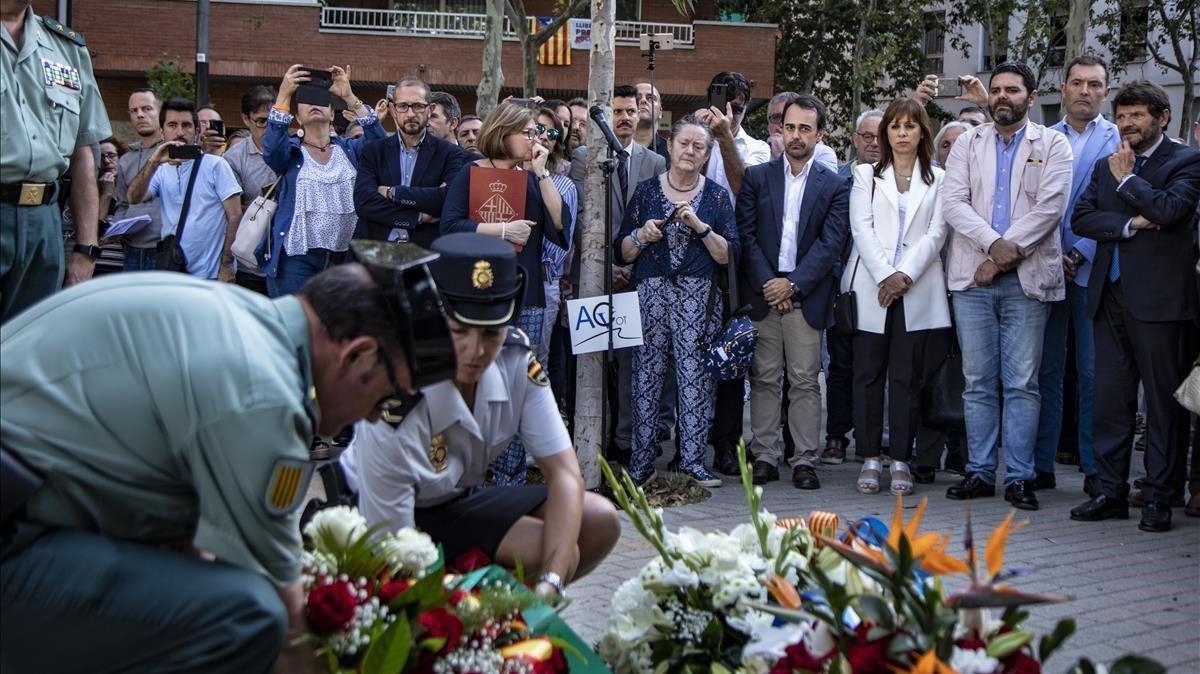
425 464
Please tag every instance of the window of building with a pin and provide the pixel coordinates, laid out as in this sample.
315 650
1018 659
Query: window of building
1135 22
935 41
629 10
989 60
1058 41
1051 112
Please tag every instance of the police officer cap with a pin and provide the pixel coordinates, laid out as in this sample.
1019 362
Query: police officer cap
478 277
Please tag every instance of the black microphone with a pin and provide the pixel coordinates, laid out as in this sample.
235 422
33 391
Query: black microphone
597 114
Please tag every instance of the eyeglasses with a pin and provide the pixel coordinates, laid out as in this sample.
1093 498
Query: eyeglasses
260 122
776 118
543 130
415 107
108 155
736 110
395 399
867 137
530 134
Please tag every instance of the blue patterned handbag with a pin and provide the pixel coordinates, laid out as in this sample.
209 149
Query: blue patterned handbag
731 351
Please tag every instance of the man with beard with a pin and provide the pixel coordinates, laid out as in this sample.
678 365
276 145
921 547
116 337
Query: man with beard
213 207
649 117
467 132
823 154
793 220
52 115
401 183
579 119
1083 90
140 245
1006 188
1140 205
444 115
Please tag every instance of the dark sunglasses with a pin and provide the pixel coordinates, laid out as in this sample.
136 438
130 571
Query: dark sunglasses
543 130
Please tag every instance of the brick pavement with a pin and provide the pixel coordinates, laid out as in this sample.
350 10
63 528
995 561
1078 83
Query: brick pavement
1133 591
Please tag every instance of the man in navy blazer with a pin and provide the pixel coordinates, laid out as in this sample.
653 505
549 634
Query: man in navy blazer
402 179
1141 207
793 219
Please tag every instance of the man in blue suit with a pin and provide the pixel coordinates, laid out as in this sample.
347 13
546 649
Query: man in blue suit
1083 91
793 217
402 179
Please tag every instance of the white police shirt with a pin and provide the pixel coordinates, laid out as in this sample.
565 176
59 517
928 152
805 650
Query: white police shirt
441 449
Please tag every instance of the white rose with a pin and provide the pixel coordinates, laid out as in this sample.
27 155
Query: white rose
343 525
973 661
681 576
408 549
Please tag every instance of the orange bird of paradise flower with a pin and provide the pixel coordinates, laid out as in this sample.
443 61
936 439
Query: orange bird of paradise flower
928 548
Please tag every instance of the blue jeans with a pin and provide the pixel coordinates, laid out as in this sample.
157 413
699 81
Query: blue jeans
1050 380
1000 331
294 270
139 259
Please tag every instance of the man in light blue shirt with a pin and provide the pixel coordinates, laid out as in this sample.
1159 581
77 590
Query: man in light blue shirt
1006 152
215 208
1092 137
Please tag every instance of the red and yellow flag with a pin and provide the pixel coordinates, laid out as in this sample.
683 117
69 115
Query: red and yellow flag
555 51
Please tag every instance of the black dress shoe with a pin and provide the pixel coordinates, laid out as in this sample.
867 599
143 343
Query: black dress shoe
1044 480
1090 486
1021 494
725 464
804 477
764 472
923 474
971 486
1155 517
1101 507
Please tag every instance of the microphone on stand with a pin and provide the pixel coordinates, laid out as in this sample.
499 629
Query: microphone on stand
597 114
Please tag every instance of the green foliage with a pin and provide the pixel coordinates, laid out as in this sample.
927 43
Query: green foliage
389 653
1050 643
169 80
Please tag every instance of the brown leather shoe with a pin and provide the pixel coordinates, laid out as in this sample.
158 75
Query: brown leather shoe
1192 509
804 477
834 453
763 473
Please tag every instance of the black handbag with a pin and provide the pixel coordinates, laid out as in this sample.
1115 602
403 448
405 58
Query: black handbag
942 395
169 255
845 309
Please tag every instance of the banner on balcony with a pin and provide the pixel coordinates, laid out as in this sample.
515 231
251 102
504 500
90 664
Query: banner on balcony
557 50
581 34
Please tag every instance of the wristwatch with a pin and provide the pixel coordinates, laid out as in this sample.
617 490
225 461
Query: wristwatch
706 232
90 251
795 290
543 175
555 581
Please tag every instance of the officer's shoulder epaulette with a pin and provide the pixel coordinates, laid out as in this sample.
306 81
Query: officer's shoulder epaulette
396 415
55 26
517 337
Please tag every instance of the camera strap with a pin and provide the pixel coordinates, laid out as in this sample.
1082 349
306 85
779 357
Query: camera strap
187 199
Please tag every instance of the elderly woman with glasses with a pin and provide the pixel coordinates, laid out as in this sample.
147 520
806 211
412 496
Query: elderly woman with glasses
678 230
508 141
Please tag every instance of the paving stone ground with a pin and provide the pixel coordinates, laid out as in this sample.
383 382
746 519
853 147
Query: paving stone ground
1132 591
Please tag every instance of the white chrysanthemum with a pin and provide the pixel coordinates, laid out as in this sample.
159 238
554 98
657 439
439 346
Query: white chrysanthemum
408 549
632 596
973 661
771 643
680 575
343 524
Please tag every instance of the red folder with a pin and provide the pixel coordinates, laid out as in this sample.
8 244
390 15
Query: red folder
497 195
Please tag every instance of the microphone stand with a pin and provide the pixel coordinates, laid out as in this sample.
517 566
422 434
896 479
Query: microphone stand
608 166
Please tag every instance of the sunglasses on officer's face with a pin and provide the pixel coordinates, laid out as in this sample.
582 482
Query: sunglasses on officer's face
543 130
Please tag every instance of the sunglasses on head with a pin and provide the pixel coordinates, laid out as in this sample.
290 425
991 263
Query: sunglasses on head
543 130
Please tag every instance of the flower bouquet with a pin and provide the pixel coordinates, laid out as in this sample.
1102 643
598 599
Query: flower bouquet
381 603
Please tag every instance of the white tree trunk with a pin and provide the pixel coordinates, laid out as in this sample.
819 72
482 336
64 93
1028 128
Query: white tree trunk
592 273
492 79
1076 30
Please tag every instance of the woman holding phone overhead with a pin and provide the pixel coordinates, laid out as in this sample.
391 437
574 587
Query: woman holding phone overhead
678 229
315 217
506 141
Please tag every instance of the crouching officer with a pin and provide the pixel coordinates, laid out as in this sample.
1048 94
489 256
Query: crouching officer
426 463
171 442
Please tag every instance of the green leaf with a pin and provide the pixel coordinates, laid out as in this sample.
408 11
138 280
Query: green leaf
390 653
718 668
1004 645
1084 666
1136 664
875 610
1050 643
432 644
1013 616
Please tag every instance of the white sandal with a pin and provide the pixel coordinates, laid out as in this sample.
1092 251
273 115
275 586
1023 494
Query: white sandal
902 481
868 477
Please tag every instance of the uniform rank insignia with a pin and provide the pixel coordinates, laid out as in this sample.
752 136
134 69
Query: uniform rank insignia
57 74
437 452
537 374
288 485
482 275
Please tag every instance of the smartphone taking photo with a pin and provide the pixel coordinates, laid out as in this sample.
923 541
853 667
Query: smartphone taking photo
949 86
718 96
183 152
316 90
218 126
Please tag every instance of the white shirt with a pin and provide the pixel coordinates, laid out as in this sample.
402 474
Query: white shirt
396 469
793 196
902 207
752 152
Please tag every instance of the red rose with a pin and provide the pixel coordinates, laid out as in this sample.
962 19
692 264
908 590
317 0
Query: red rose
441 623
458 596
798 657
1020 663
392 589
470 560
868 657
971 644
330 608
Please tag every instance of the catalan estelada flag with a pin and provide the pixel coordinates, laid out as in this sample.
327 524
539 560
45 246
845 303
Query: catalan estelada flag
557 50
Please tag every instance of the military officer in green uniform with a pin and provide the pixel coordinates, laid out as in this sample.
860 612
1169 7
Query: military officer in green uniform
50 115
172 446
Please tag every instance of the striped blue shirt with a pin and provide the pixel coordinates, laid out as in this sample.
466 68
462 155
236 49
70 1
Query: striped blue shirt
554 258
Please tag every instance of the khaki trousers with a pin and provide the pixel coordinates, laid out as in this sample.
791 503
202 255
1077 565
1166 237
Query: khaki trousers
786 341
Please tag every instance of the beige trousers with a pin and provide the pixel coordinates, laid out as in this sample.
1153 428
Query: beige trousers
786 341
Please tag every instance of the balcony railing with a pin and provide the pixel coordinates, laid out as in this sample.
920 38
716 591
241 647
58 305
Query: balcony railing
439 24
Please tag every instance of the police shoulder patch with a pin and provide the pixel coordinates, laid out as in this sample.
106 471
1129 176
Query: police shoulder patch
395 414
517 337
63 31
537 373
288 485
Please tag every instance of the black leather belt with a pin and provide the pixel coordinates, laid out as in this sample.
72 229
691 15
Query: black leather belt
28 194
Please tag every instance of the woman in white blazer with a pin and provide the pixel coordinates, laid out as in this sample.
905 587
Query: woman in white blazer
896 273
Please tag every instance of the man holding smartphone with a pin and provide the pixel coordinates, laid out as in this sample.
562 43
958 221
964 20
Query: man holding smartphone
214 208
